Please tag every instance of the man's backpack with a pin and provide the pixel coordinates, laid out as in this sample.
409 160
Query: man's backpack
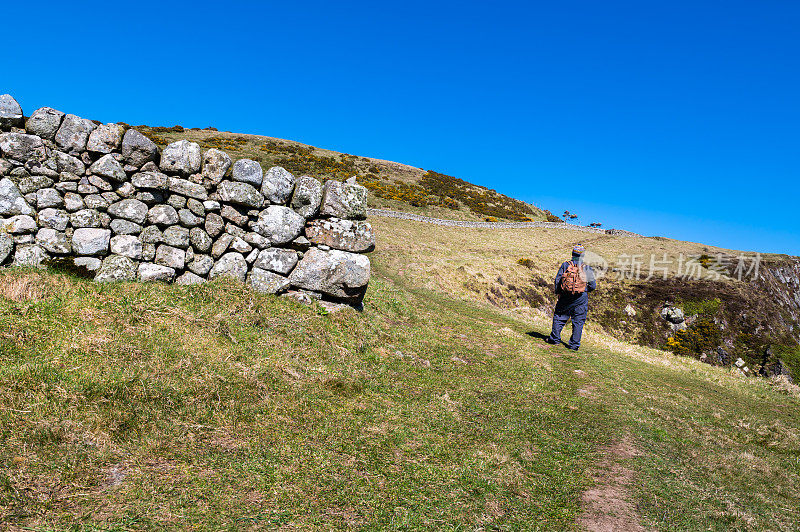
574 279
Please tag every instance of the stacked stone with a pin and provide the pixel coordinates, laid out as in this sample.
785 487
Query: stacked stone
109 199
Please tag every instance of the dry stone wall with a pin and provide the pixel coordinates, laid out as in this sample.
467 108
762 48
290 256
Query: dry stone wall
108 199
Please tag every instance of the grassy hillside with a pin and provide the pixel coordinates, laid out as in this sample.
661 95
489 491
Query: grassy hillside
392 185
513 270
150 407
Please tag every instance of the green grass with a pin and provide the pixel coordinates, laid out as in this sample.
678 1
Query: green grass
151 407
220 408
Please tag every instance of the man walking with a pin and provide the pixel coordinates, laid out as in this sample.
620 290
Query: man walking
574 281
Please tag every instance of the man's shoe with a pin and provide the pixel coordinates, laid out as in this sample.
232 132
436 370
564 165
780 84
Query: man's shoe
572 348
551 341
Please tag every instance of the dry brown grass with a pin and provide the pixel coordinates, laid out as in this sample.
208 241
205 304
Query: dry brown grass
24 288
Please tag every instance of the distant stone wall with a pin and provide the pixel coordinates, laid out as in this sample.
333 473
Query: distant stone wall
108 199
495 225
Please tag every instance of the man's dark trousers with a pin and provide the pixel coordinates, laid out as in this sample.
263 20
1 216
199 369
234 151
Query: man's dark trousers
577 313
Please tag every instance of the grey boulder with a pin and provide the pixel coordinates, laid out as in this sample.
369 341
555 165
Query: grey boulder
177 236
10 112
277 185
21 147
201 264
216 164
231 264
127 246
53 241
90 241
19 225
200 240
107 166
11 200
189 219
339 274
124 227
240 194
307 196
344 200
53 218
267 282
74 133
137 150
276 260
171 257
116 268
130 209
347 235
155 272
248 171
279 224
89 218
29 256
182 157
673 315
6 247
44 122
105 138
162 215
189 278
184 187
48 197
154 180
69 164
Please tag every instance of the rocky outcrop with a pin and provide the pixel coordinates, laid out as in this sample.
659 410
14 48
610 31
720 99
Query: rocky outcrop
105 197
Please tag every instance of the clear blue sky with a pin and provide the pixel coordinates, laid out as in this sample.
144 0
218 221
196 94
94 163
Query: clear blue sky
678 118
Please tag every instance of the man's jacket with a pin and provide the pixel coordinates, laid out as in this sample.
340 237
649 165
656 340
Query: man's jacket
574 302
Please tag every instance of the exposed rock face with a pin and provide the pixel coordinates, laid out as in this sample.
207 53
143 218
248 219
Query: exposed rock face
90 241
138 150
106 138
307 197
267 282
335 273
673 315
11 200
347 235
276 260
74 133
182 157
108 167
248 171
21 147
129 209
107 198
44 123
277 185
216 164
10 112
279 224
344 200
230 265
116 268
240 194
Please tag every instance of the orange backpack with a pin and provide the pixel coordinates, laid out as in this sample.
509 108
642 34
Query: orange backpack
574 279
